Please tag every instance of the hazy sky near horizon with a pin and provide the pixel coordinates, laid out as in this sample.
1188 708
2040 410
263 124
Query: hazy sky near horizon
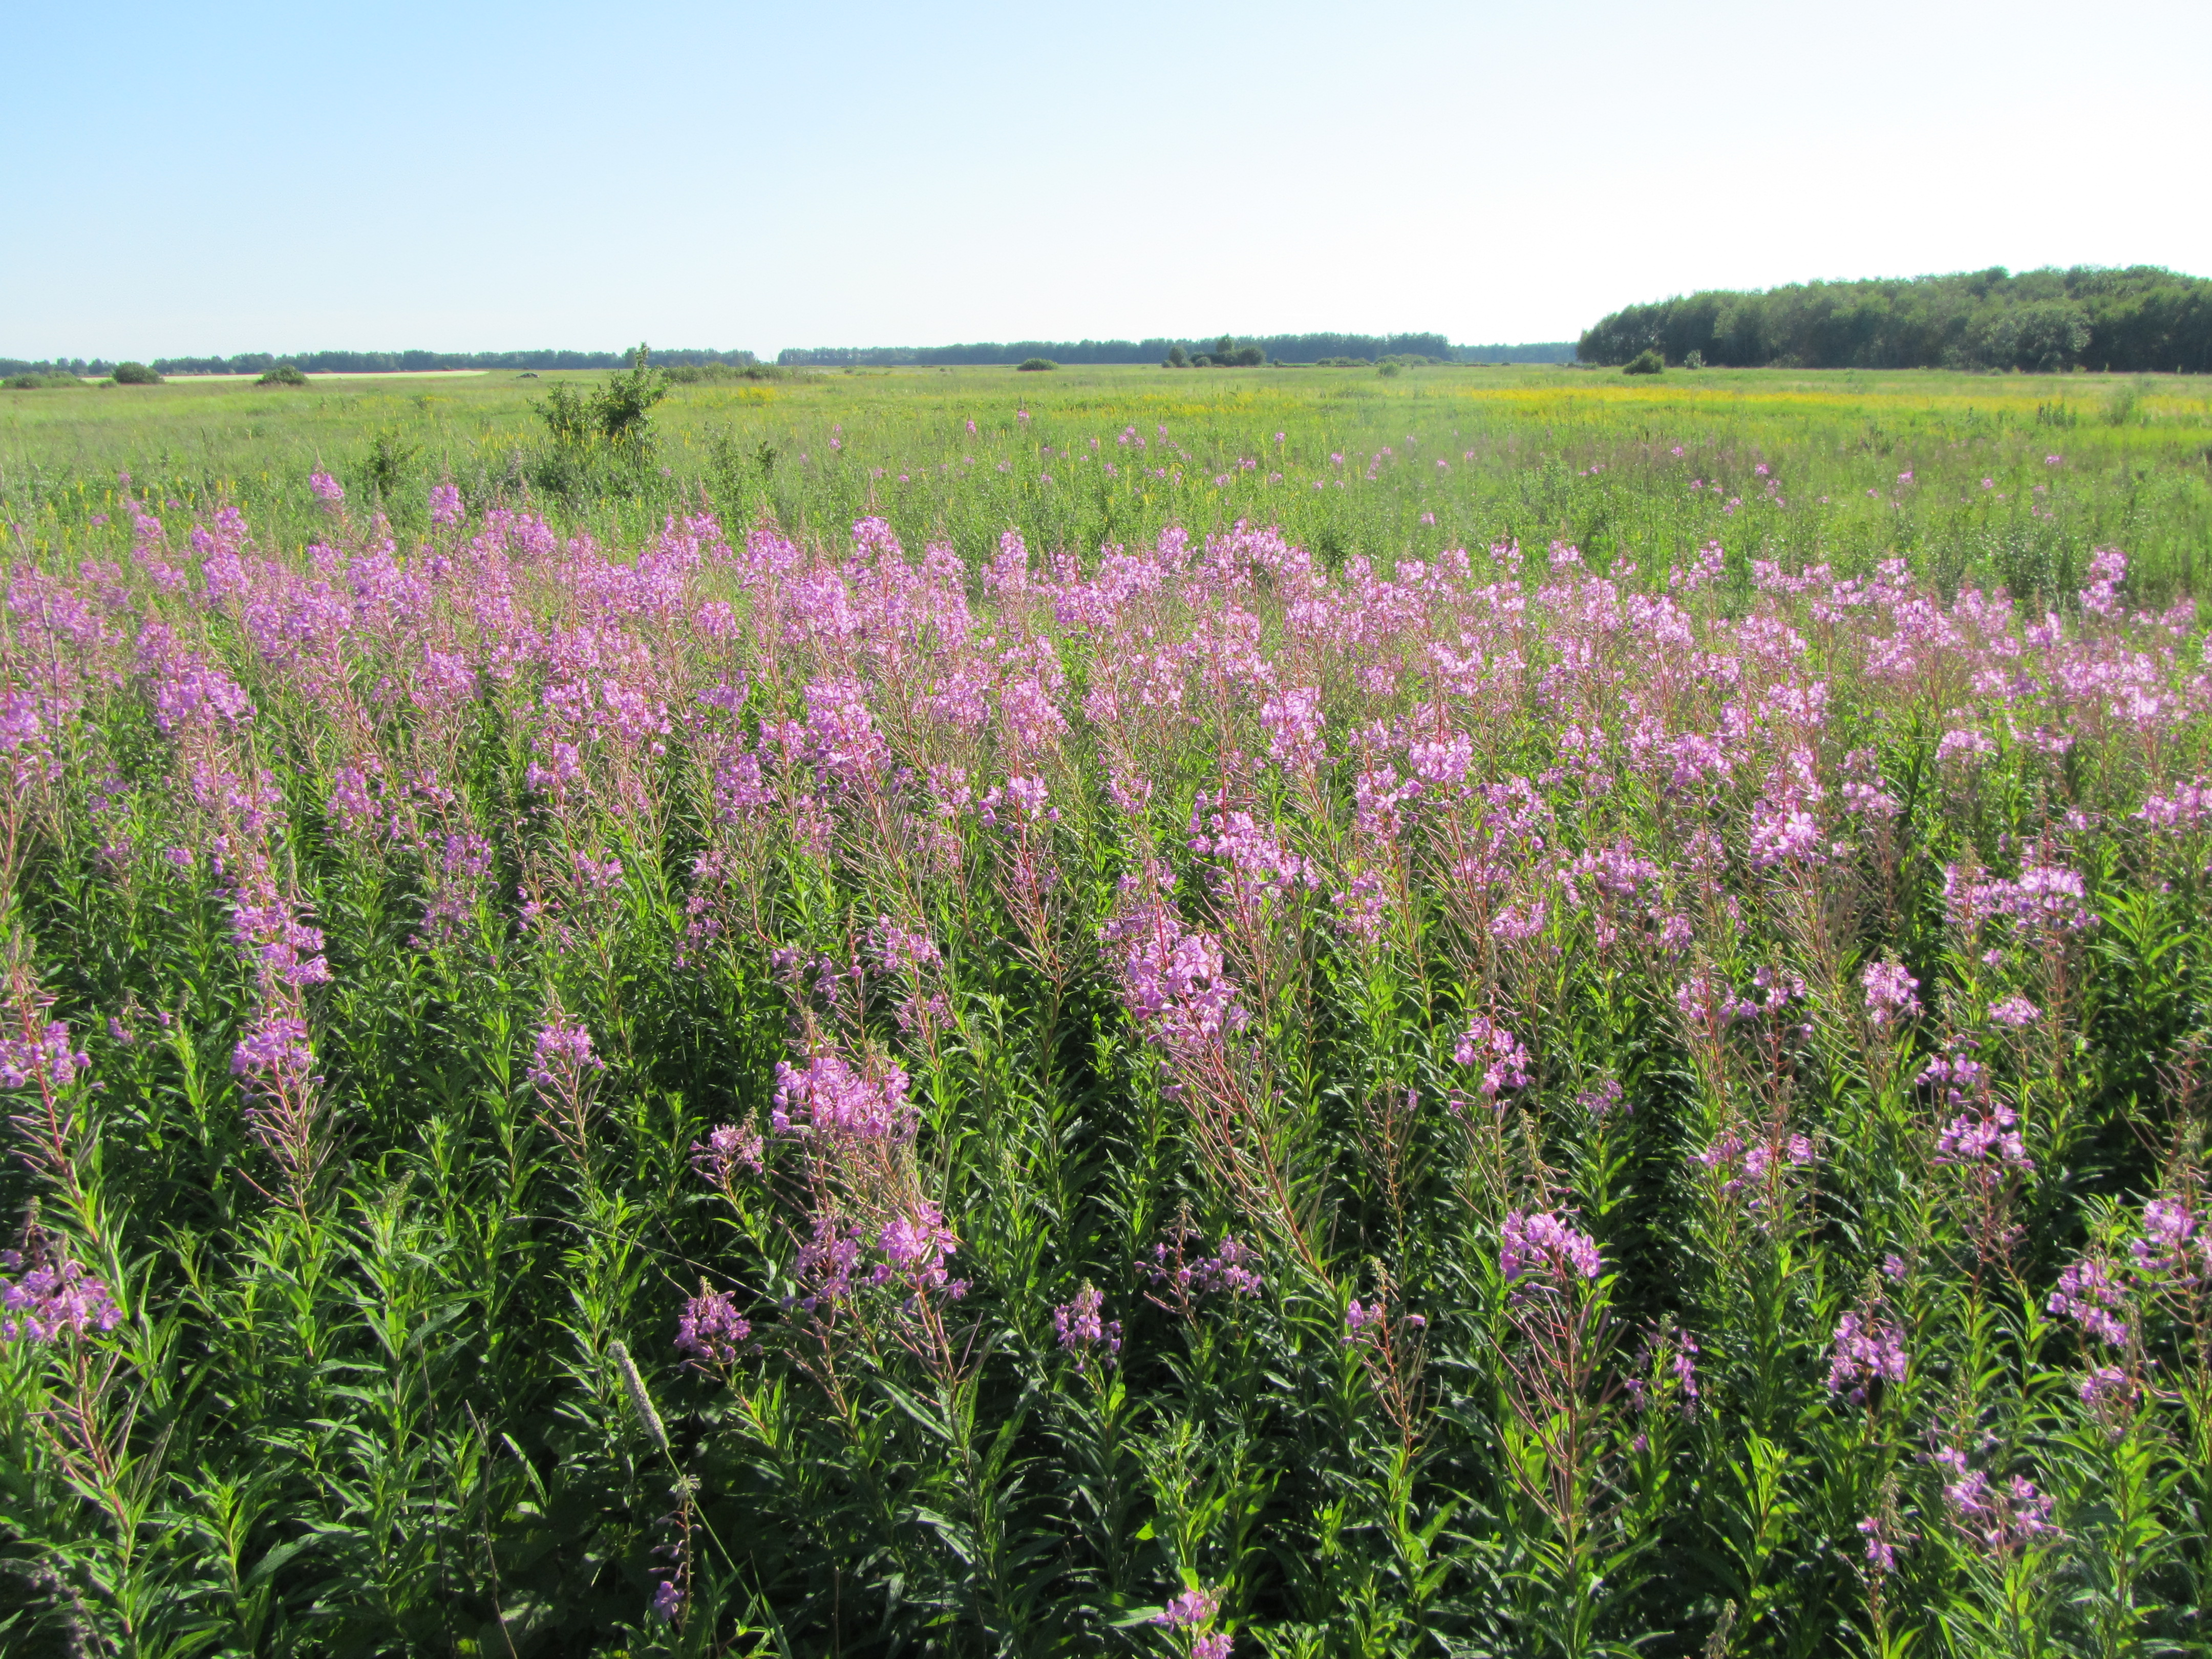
464 176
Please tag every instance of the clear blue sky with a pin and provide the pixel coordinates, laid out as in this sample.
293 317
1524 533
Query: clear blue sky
226 177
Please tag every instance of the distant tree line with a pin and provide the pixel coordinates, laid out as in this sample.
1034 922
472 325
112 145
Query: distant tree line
1546 351
377 362
2140 319
1277 348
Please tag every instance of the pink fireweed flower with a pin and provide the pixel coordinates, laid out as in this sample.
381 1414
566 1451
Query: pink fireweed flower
49 1058
2015 1012
51 1299
1083 1332
2093 1298
1359 1318
1193 1607
274 1053
1602 1100
445 507
712 1331
1867 1349
828 1097
1294 725
1889 993
2171 1245
1503 1060
563 1053
2183 813
825 1266
1229 1270
1997 1518
1741 1164
1986 1142
326 488
1174 982
1880 1551
914 1248
900 951
1544 1248
2106 1388
725 1150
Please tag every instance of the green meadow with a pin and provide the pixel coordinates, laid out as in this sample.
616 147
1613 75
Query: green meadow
1349 462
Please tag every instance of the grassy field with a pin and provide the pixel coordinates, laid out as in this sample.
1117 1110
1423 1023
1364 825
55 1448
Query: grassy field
1292 1013
1346 461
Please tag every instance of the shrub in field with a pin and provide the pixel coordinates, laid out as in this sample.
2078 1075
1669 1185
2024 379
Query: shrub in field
602 440
1033 365
731 1094
135 375
1644 362
283 374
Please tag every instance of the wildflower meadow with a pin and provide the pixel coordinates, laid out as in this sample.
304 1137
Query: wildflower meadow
1457 1028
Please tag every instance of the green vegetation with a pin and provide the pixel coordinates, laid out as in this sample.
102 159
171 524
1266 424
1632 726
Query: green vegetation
1538 452
135 375
2044 321
1644 362
857 1015
284 374
1034 365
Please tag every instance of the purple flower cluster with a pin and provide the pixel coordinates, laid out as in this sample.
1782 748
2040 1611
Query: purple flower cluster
1193 1607
1541 1251
1880 1549
1172 979
915 1246
48 1059
274 1054
1230 1270
826 1096
2170 1248
561 1055
1889 993
51 1298
2091 1296
2044 901
1867 1351
1742 1164
1986 1143
1084 1331
726 1150
712 1331
1503 1061
1998 1518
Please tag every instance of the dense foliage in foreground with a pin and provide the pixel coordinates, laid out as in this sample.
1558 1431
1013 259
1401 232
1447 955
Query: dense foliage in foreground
750 1096
2141 318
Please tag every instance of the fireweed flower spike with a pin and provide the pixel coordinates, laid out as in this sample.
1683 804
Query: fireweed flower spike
1083 1332
712 1331
1541 1252
1868 1349
52 1298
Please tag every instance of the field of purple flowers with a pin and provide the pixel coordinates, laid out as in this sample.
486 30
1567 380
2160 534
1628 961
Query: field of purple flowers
738 1095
